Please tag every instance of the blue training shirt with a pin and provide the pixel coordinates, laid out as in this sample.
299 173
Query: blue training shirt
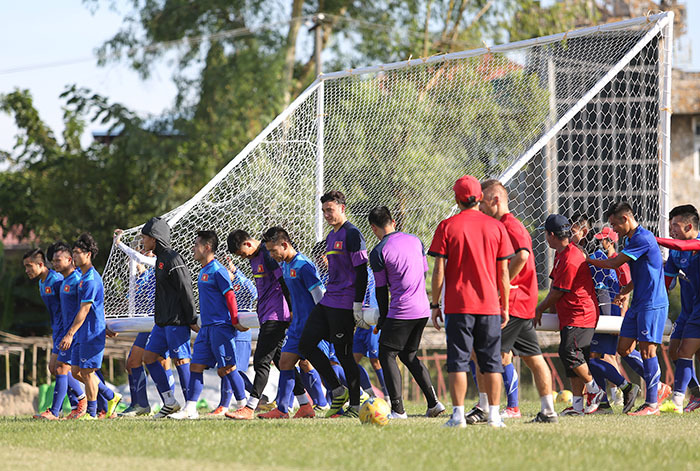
49 290
606 283
686 266
70 302
91 290
213 283
246 295
647 270
300 276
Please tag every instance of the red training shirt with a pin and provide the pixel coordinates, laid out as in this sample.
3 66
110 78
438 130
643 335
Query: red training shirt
523 288
472 242
578 306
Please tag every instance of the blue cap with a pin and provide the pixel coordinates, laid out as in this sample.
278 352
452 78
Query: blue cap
556 223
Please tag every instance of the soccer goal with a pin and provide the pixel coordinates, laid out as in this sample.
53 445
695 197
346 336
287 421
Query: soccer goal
569 123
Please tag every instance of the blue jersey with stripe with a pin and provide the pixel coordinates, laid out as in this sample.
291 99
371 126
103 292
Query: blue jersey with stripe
606 285
70 302
646 268
301 276
213 283
91 290
49 290
686 267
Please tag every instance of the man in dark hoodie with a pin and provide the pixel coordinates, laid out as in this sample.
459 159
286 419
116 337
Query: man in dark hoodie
174 315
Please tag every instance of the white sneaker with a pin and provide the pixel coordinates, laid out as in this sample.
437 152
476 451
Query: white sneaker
619 397
499 424
436 410
455 423
166 410
396 415
184 414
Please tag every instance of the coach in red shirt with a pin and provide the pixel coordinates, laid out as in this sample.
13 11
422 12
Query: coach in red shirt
572 294
471 253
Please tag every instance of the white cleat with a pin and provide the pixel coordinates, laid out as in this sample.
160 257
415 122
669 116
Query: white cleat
436 410
184 414
455 423
396 415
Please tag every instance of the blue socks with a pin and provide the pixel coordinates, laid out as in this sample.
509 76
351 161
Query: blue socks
59 393
634 360
312 383
246 381
365 383
510 381
684 373
140 395
75 388
286 388
92 408
226 393
652 375
183 372
104 391
237 384
160 377
340 373
382 383
195 386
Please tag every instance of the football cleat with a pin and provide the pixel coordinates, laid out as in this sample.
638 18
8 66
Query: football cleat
135 411
593 401
475 416
603 409
663 392
267 407
436 410
46 415
305 411
542 418
645 409
166 410
670 407
455 423
112 405
184 414
693 404
511 413
79 411
244 413
274 414
570 411
348 413
87 417
338 403
629 395
218 412
498 424
396 415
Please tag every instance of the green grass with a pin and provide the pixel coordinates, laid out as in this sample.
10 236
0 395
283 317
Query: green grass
598 442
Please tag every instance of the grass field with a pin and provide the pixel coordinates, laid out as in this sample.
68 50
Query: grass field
595 443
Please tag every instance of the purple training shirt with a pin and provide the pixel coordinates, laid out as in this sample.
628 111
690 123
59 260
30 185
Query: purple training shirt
399 261
271 303
345 250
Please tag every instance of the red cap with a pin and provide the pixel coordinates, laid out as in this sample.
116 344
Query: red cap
607 233
467 186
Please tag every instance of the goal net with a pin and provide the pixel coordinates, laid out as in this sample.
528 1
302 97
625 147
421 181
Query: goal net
569 123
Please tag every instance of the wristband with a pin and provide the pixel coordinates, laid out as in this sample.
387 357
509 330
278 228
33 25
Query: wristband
434 306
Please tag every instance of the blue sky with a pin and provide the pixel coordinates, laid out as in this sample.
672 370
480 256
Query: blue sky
35 32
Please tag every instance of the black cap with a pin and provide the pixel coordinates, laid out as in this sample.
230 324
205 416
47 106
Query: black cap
556 223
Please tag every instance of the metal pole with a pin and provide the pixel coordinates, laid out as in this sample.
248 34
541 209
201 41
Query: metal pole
666 53
318 213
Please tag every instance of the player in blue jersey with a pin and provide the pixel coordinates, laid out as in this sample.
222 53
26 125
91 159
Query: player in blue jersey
684 266
215 343
305 290
645 319
89 329
65 382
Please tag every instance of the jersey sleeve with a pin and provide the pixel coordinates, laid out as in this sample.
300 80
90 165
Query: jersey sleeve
88 291
635 247
670 267
356 247
222 280
438 247
271 265
624 277
309 276
563 276
376 261
505 248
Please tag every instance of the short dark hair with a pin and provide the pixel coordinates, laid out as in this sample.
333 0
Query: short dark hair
276 234
380 216
469 203
86 243
236 239
619 208
58 246
209 238
581 219
486 184
37 255
561 235
687 212
333 195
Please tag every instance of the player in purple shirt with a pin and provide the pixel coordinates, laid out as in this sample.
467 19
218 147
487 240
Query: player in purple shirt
273 314
334 318
399 262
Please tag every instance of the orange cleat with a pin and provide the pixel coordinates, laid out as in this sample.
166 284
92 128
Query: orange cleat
306 411
79 411
218 412
645 409
244 413
274 414
46 415
664 391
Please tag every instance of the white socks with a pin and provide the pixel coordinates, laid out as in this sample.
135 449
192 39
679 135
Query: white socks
678 398
494 414
252 403
578 403
191 407
591 387
169 398
458 413
483 402
547 404
303 399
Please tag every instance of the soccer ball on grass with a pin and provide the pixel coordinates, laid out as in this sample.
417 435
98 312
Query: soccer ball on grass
375 411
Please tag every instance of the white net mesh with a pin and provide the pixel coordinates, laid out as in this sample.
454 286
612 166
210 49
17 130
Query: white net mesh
569 123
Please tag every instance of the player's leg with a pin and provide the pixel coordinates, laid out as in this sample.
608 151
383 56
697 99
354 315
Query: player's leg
243 349
487 346
373 355
155 351
684 370
458 329
203 357
627 342
179 347
650 325
312 383
59 392
287 364
137 378
341 325
573 352
509 335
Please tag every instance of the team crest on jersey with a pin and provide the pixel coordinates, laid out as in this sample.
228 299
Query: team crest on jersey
160 266
338 245
47 290
66 289
205 277
81 284
293 273
260 268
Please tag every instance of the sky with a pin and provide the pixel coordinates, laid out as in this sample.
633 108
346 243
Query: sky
37 33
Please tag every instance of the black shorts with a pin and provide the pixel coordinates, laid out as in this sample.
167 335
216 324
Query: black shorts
473 331
575 347
519 335
332 324
402 334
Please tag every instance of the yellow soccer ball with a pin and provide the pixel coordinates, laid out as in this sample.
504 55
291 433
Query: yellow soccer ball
375 411
565 396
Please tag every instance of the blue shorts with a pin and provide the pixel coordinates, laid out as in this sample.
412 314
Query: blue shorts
215 345
243 349
366 342
644 325
691 329
173 339
140 340
679 325
604 344
88 354
473 332
64 356
56 338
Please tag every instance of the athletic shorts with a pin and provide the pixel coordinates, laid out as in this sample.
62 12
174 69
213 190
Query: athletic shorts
291 340
332 324
243 349
65 356
480 333
644 325
366 342
575 347
679 325
56 337
519 336
88 354
402 335
691 329
215 346
172 339
605 344
141 339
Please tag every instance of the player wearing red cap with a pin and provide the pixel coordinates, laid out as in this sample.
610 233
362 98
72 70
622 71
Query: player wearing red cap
471 253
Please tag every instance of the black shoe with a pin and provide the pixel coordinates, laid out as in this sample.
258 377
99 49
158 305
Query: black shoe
603 408
542 418
629 395
475 416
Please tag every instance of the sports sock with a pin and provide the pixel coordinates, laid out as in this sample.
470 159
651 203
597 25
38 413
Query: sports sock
484 402
634 360
652 375
246 381
226 393
286 386
547 404
183 372
677 398
340 373
195 386
591 387
494 414
314 387
92 408
382 383
510 381
105 391
458 413
237 385
159 376
684 371
140 387
252 402
75 386
59 394
302 399
132 389
365 383
472 370
578 403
